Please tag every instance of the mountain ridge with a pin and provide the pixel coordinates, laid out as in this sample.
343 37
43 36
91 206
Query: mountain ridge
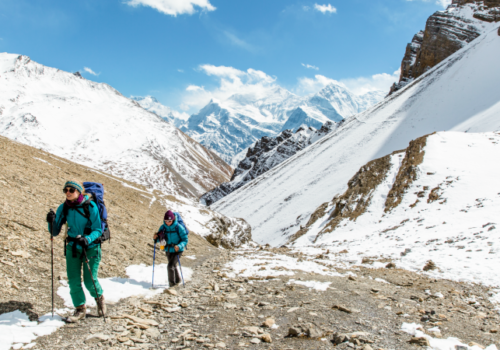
95 125
229 127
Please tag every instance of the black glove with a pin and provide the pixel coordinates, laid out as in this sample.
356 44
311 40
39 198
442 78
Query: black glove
51 216
82 242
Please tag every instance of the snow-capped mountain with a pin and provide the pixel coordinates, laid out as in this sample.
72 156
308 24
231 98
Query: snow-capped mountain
93 124
229 127
265 154
460 94
151 104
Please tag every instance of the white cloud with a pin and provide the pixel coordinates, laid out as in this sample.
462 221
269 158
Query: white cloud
230 81
174 7
382 81
194 88
234 40
308 66
312 85
306 8
358 85
325 8
180 70
90 71
258 84
443 3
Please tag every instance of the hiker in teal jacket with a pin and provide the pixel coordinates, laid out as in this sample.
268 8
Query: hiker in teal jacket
82 233
176 239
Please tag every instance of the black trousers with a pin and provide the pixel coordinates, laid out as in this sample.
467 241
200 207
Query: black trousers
174 272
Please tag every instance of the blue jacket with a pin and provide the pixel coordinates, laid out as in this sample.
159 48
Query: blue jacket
77 223
175 235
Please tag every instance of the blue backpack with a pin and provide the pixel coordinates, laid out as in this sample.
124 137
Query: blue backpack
96 192
180 222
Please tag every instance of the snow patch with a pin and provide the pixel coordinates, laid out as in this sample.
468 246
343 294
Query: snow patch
139 284
18 331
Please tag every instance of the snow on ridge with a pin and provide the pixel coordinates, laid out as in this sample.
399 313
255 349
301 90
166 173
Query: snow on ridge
151 104
93 124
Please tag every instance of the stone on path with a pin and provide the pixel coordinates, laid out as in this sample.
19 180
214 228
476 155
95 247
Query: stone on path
97 338
268 323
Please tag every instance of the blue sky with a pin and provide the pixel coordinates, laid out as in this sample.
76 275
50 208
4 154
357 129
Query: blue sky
185 52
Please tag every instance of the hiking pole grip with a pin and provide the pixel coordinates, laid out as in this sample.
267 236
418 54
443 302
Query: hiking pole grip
93 282
52 255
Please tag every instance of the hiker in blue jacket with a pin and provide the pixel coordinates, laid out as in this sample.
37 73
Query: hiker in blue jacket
82 234
176 239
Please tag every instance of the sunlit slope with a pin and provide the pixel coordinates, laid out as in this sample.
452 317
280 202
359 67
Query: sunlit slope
462 93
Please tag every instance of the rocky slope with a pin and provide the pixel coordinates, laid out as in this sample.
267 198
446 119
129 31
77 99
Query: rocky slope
458 94
151 104
94 125
265 155
31 183
229 127
445 33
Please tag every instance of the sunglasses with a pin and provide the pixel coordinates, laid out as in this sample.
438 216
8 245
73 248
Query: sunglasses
169 220
70 190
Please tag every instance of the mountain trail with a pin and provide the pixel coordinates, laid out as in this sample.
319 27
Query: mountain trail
276 298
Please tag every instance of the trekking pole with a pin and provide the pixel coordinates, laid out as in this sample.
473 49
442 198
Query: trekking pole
52 256
154 258
179 260
93 282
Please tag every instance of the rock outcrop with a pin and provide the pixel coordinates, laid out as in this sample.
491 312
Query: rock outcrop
445 33
267 153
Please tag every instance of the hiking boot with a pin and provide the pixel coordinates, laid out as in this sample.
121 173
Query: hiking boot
79 314
101 307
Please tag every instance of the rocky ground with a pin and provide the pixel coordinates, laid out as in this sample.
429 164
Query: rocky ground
262 312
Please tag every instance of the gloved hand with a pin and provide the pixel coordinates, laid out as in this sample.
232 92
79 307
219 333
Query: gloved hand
82 241
51 216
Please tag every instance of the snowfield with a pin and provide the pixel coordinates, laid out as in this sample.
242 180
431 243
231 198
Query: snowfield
459 94
459 231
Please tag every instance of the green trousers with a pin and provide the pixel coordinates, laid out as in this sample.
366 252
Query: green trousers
74 268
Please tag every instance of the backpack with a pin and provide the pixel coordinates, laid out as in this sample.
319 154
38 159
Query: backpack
180 222
96 192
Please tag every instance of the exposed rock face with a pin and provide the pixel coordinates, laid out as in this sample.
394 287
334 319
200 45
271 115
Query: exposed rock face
229 233
354 201
267 153
445 33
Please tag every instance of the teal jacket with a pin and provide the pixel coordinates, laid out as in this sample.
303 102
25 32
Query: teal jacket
77 223
175 235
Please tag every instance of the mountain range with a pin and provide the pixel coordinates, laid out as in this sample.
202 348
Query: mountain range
230 126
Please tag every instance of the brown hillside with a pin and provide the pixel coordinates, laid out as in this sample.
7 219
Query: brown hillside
30 184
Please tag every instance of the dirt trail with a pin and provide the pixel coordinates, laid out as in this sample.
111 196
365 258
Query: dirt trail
215 311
